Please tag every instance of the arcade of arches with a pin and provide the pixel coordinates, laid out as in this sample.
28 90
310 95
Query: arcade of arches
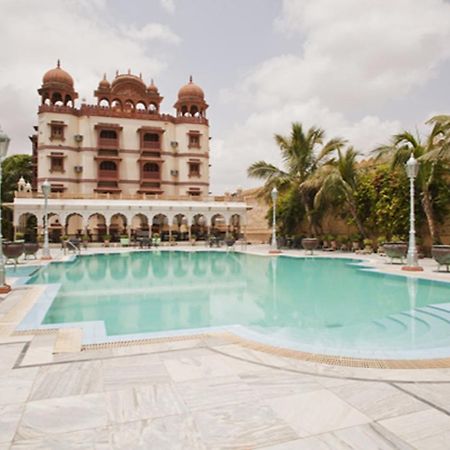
169 222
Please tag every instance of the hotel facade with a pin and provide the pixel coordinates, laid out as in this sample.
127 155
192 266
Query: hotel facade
121 164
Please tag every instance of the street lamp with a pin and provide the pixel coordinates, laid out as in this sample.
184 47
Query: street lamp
273 245
46 191
412 169
4 144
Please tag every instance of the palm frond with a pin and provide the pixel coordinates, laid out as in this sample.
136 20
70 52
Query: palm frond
264 171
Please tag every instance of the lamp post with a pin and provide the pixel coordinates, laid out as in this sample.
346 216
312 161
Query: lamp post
46 191
412 169
4 144
273 244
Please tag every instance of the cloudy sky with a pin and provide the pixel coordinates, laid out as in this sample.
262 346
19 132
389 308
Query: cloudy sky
361 69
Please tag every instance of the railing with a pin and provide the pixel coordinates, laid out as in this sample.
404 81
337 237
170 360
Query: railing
155 145
108 143
120 196
108 175
71 246
105 111
151 175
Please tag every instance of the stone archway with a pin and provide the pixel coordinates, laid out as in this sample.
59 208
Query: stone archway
74 225
180 227
55 227
96 227
218 225
27 226
117 226
235 226
199 227
160 226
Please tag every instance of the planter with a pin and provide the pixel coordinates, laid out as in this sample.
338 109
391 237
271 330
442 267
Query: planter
310 244
13 251
396 250
441 254
30 249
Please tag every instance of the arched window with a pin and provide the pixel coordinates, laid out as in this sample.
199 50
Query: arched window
108 134
151 137
104 103
108 165
151 167
116 104
57 99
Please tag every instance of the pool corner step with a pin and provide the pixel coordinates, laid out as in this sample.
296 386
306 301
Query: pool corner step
68 340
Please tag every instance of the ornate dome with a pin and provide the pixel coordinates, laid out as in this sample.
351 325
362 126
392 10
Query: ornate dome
152 88
57 75
104 84
191 90
122 79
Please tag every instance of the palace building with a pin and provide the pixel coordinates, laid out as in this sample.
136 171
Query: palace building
121 164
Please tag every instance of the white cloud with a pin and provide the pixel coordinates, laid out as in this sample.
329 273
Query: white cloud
353 56
152 32
86 38
254 139
168 6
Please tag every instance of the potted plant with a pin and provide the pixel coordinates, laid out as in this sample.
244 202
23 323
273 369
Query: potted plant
355 242
381 240
19 237
326 241
368 245
333 243
106 240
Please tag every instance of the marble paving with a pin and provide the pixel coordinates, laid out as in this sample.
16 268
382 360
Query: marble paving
207 394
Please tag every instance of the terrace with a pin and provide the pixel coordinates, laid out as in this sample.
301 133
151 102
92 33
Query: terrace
210 389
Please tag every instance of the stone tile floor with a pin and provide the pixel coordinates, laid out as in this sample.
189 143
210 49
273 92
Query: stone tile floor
210 394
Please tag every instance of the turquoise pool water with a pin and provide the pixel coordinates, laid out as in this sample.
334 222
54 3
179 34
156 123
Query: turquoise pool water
314 304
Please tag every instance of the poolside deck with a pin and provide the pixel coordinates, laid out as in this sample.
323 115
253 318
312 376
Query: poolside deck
207 392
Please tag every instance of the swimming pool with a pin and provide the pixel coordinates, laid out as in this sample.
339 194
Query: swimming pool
321 305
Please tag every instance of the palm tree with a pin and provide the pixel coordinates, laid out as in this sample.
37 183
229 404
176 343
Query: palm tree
338 180
302 154
433 153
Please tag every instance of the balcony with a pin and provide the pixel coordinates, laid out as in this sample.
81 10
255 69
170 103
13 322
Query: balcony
108 152
151 145
105 186
150 155
108 143
149 187
150 176
108 175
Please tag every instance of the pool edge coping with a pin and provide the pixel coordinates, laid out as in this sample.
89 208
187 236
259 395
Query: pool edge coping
334 360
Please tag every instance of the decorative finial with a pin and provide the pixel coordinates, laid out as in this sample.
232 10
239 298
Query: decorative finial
104 76
129 71
140 75
152 82
117 73
190 78
58 64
